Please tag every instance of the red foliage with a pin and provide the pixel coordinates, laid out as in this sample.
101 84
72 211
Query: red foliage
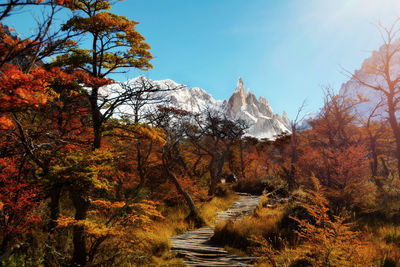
18 200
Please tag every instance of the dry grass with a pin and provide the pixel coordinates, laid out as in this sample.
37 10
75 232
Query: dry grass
168 262
386 241
263 221
208 211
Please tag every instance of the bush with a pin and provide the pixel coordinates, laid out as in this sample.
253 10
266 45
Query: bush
257 186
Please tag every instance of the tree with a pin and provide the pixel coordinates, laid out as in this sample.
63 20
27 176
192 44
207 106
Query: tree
6 9
46 40
290 172
30 138
47 118
18 200
335 152
136 101
174 123
375 129
114 45
214 134
380 75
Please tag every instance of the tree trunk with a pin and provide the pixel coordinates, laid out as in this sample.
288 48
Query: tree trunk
213 176
385 172
216 167
374 156
242 167
96 118
140 169
293 144
194 215
54 206
395 128
81 206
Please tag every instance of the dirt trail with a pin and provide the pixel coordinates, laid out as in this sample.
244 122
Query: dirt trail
197 249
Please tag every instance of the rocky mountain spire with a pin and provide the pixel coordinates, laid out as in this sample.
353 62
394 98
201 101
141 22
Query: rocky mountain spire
264 107
257 114
286 119
240 89
237 100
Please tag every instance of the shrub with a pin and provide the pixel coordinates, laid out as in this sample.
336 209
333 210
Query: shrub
257 186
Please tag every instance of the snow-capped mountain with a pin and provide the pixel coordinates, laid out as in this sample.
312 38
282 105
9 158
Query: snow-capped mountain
190 99
258 114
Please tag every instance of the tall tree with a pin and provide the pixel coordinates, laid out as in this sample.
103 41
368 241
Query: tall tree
381 75
114 45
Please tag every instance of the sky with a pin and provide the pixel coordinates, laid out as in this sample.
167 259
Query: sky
284 50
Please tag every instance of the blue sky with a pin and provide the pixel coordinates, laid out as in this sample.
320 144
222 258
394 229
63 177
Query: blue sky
284 50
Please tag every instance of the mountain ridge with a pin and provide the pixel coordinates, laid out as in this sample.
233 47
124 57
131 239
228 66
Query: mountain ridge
257 113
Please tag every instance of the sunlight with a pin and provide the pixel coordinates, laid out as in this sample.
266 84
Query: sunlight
338 13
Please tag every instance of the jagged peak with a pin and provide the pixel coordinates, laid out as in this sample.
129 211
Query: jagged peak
240 86
240 82
263 100
239 91
285 118
249 92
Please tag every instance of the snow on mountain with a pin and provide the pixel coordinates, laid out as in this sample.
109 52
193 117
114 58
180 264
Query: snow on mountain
193 99
258 114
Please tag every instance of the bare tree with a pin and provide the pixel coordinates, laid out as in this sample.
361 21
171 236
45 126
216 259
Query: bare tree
290 172
374 127
382 76
174 122
214 134
135 100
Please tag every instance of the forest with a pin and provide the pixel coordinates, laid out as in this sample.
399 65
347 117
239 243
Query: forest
83 183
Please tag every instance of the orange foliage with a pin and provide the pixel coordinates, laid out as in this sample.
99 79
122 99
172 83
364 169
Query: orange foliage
344 172
330 242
